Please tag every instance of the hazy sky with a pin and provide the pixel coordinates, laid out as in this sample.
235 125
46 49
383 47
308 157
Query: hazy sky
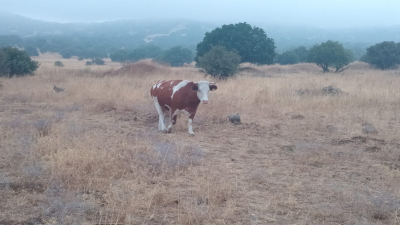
322 13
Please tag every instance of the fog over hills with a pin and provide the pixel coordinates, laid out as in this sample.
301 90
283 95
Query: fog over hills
172 32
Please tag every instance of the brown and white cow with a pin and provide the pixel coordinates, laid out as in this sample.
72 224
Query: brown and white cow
179 96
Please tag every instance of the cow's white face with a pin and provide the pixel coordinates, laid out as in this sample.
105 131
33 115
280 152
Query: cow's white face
202 88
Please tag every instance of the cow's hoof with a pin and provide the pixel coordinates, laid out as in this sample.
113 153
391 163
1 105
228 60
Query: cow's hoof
191 134
169 130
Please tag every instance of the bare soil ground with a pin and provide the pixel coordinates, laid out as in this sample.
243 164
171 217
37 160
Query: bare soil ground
93 155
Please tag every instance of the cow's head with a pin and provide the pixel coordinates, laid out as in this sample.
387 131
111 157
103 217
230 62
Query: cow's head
202 88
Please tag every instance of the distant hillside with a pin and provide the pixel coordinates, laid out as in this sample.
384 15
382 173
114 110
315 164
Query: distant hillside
168 33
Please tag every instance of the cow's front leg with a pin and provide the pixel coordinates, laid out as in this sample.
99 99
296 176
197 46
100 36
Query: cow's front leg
190 124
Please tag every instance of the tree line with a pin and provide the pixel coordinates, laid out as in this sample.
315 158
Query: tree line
219 53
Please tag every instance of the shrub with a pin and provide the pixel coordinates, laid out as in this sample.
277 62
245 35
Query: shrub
383 55
80 59
89 63
97 61
58 63
330 54
219 62
14 62
251 44
176 56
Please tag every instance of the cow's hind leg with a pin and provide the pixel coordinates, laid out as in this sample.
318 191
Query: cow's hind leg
161 117
173 116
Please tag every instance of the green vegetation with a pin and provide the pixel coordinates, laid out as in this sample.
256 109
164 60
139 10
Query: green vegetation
144 52
252 44
302 54
286 58
98 61
385 55
219 62
176 56
14 62
329 54
3 63
89 63
58 64
120 56
32 51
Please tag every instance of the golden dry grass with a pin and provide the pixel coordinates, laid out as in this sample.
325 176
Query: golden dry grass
93 155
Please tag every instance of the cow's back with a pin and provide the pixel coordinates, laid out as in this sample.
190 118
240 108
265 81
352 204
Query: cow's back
163 91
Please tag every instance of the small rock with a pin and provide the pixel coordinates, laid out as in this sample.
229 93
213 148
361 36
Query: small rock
373 149
234 118
331 128
289 148
369 129
298 117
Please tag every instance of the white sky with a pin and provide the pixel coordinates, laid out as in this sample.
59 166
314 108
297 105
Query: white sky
322 13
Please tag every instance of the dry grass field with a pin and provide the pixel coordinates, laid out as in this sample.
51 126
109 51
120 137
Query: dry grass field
93 154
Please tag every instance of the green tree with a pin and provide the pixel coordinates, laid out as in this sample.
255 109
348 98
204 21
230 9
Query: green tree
219 62
252 44
16 63
66 53
384 55
120 56
145 52
4 67
176 56
329 54
286 58
302 53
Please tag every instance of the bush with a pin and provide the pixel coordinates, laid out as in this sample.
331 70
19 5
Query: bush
14 62
219 62
383 55
330 54
89 63
58 63
287 58
251 44
97 61
80 59
176 56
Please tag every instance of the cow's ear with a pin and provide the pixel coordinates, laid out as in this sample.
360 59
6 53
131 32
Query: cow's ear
213 87
195 87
